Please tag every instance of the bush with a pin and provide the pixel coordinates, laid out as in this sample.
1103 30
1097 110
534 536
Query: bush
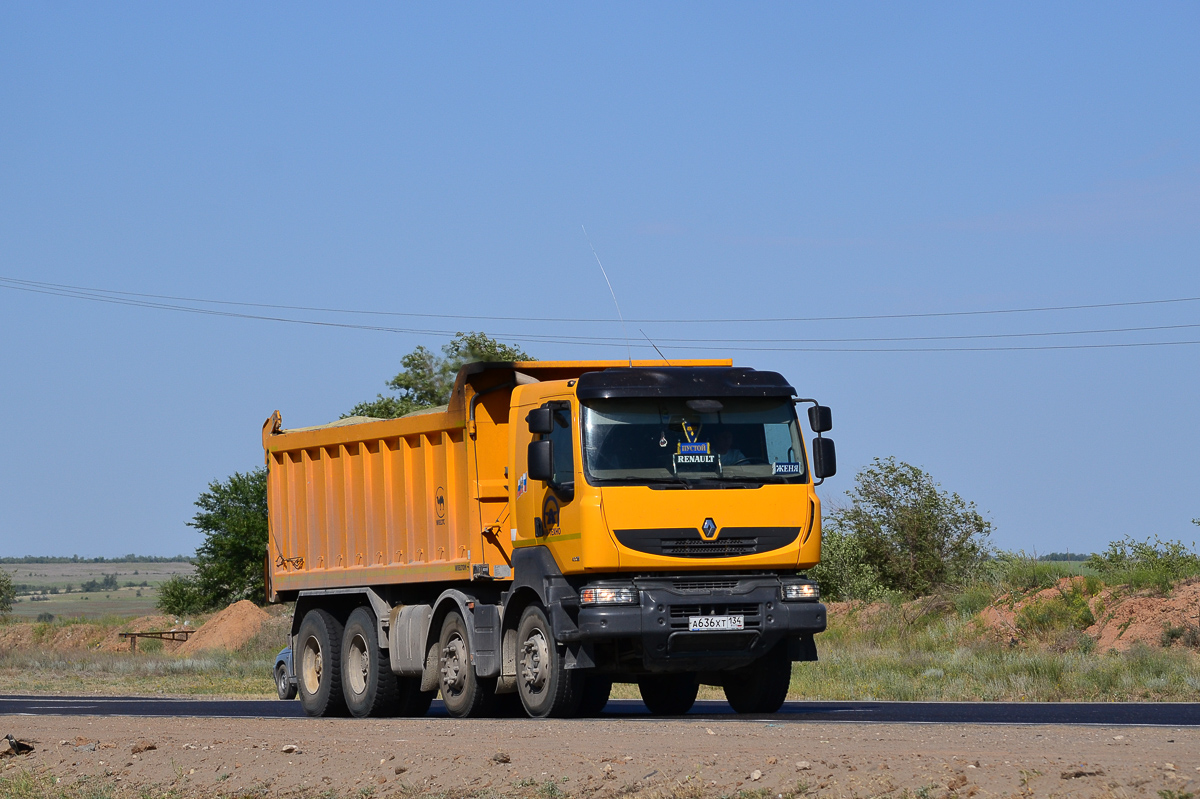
1152 563
1067 611
181 596
1018 571
7 592
914 536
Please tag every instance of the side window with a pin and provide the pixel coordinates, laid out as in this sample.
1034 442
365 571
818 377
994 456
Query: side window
564 450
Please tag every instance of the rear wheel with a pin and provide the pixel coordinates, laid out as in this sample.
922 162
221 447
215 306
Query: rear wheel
547 687
319 664
669 694
465 693
368 683
762 686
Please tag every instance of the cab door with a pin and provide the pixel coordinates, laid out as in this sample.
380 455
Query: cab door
548 512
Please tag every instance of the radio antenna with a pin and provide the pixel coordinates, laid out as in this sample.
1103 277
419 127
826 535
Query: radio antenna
628 346
655 346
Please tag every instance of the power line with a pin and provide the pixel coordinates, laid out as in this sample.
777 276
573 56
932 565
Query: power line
415 315
724 345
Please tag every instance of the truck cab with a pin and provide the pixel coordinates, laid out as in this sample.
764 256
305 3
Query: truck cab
675 510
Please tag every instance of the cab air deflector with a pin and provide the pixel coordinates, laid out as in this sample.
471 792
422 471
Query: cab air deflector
682 381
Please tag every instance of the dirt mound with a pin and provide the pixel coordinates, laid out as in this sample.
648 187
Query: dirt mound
230 629
1122 618
1142 619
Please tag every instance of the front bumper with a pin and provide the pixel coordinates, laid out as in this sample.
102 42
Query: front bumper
660 622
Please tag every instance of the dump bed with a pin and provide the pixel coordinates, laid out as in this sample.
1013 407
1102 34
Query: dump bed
421 498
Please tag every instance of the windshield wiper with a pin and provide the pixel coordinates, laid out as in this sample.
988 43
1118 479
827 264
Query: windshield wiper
670 481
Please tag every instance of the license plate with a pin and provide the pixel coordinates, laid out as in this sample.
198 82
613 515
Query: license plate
699 623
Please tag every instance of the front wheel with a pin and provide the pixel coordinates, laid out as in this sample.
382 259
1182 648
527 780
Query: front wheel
669 694
596 690
547 687
762 686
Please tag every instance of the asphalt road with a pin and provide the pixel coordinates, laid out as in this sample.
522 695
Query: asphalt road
1166 714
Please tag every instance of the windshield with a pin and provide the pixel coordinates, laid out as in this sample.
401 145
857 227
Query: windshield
692 441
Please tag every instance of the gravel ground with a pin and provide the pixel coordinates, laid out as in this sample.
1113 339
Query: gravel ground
345 757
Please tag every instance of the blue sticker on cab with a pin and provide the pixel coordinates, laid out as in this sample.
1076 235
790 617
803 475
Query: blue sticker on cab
787 468
693 449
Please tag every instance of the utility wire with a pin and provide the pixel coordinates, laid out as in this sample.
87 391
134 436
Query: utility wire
681 344
858 317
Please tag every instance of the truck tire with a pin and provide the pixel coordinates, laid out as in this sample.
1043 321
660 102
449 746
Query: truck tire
368 683
319 664
465 693
669 694
762 686
547 687
596 690
285 687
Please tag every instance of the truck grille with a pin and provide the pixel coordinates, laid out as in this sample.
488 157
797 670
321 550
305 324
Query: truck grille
705 585
686 542
693 548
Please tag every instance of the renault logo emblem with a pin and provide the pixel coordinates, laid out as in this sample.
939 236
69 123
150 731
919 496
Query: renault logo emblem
709 529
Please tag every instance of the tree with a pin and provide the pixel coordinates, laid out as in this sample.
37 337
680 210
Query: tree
229 563
426 379
7 592
233 518
915 536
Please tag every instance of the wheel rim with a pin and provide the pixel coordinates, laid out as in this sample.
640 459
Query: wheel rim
312 666
281 679
454 665
358 663
535 662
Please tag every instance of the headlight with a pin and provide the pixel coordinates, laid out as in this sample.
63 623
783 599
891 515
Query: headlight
801 592
609 595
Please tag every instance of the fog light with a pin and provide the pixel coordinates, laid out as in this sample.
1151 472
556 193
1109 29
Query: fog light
609 595
801 592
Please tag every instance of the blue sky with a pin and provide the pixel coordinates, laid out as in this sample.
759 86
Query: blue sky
750 162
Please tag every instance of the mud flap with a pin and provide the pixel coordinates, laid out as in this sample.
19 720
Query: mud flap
803 649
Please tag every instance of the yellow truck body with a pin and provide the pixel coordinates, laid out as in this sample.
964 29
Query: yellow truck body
662 475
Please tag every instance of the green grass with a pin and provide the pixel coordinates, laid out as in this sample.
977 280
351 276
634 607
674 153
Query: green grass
151 670
37 581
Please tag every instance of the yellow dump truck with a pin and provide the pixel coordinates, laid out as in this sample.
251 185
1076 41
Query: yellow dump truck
557 527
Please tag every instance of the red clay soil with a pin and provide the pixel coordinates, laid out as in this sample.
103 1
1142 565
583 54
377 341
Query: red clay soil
1143 618
230 629
1123 618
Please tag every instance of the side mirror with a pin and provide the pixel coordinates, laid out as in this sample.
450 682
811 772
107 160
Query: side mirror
541 421
541 459
820 418
824 458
